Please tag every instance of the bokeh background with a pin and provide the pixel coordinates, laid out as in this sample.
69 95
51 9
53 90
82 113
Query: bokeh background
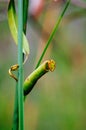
58 101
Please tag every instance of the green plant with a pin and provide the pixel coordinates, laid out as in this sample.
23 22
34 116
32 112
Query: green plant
18 30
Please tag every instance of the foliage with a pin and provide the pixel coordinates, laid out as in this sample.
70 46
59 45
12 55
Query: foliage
65 98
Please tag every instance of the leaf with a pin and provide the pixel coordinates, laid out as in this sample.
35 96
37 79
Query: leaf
12 21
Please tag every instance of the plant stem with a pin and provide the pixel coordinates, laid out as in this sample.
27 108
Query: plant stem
53 32
25 14
15 125
16 116
20 63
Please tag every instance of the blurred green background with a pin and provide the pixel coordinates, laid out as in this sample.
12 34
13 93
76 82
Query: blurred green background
58 101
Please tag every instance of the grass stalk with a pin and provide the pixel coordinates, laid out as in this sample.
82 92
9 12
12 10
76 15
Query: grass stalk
16 116
16 110
53 32
20 63
25 14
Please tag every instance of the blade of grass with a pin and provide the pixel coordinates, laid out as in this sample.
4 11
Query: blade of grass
53 32
12 21
20 62
25 14
15 125
16 115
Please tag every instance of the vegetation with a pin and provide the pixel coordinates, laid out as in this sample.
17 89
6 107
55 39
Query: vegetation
62 92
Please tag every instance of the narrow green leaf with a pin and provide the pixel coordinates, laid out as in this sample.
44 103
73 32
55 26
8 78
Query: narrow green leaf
25 14
12 20
53 32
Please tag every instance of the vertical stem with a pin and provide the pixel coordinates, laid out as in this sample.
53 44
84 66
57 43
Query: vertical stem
53 32
16 110
16 116
20 62
25 14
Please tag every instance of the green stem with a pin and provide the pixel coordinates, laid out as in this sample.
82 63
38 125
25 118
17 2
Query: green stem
53 32
15 125
25 14
16 116
31 80
20 63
